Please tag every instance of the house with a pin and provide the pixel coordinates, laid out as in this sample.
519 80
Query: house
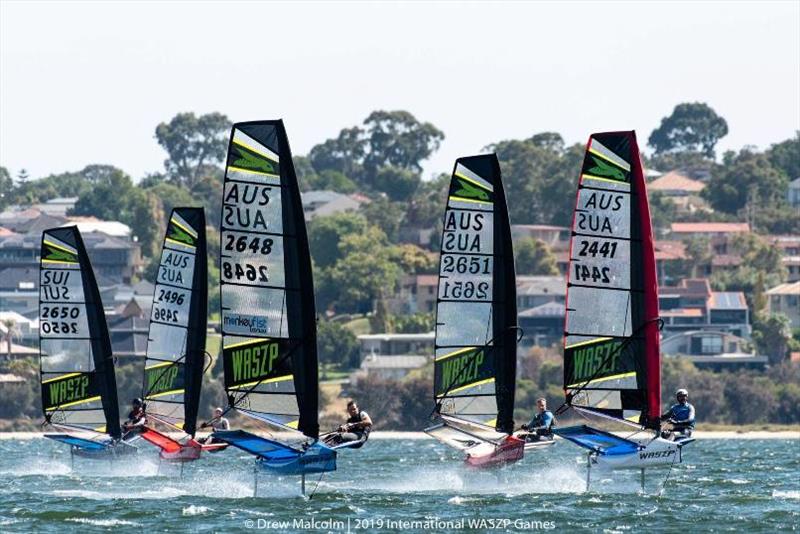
57 206
417 294
785 299
396 344
322 203
533 291
683 191
691 305
789 246
542 326
670 258
552 236
719 234
389 367
793 193
713 349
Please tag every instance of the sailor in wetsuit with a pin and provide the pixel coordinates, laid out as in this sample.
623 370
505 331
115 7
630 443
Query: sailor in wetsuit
681 416
357 427
137 419
218 422
541 426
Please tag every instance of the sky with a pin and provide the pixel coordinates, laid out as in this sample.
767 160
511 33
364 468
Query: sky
88 82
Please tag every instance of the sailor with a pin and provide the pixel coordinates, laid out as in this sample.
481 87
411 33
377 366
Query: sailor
218 422
681 416
137 418
541 426
356 428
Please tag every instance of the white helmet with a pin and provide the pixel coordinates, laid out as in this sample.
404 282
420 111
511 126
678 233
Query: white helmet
681 392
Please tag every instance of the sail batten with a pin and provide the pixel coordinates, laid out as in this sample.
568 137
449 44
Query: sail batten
475 348
78 385
267 299
611 359
175 358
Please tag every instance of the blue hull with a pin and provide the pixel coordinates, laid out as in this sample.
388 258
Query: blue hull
317 459
88 448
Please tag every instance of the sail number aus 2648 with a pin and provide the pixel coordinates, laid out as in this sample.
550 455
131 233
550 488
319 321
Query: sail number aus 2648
256 244
248 272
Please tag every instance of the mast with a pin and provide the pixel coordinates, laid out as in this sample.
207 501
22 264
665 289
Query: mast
611 342
76 363
475 362
175 358
268 315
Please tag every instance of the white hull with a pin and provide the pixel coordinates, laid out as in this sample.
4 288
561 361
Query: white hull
656 452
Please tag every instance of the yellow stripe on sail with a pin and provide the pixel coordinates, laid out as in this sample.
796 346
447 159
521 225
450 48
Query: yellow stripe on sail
61 377
604 379
590 177
249 171
590 342
181 243
60 261
257 151
455 353
162 364
248 342
459 199
59 247
470 180
293 424
100 428
491 422
67 405
474 384
633 418
611 161
186 229
164 393
270 380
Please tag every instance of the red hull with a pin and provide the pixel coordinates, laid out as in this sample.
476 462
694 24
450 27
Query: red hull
510 450
175 451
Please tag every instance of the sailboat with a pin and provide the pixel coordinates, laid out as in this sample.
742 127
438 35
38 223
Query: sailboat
176 357
79 390
612 366
269 333
476 320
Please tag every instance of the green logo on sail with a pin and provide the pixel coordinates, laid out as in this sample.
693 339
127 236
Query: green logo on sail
54 254
177 234
468 190
604 169
595 360
67 390
249 160
162 379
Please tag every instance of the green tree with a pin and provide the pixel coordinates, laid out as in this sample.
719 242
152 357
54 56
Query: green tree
343 154
771 336
398 139
325 233
387 215
337 345
364 272
533 256
413 260
398 184
785 156
193 143
698 249
746 179
691 127
6 188
415 323
426 206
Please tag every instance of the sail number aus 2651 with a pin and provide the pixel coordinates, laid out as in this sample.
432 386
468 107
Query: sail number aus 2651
463 265
465 290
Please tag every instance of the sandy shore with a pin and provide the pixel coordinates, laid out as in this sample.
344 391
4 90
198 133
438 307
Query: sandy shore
759 434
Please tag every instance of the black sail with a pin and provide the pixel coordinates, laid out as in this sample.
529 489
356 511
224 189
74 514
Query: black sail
175 358
268 316
476 313
79 389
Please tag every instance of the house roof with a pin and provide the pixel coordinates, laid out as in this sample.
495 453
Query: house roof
675 181
541 285
690 287
548 309
727 300
709 227
670 250
92 224
682 312
792 288
408 361
426 279
25 278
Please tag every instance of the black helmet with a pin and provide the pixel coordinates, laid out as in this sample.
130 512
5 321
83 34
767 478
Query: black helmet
137 401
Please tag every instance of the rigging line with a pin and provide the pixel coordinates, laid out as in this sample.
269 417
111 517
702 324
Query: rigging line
464 367
319 481
669 472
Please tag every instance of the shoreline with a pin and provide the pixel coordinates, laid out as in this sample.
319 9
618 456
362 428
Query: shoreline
407 435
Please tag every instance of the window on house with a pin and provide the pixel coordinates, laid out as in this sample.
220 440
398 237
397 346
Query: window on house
711 345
